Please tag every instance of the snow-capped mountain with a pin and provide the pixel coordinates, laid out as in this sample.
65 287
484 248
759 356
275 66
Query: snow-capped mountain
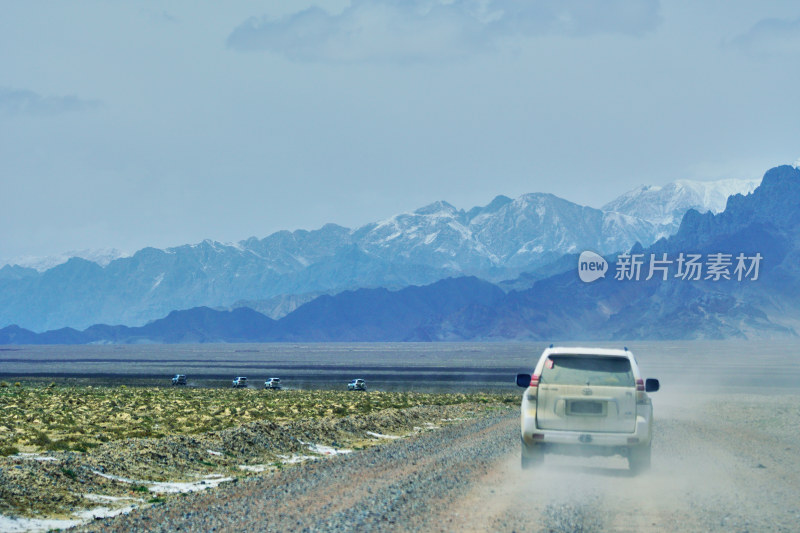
666 205
497 241
470 309
504 236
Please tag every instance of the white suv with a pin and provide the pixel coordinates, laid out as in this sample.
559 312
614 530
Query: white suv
587 401
273 384
357 384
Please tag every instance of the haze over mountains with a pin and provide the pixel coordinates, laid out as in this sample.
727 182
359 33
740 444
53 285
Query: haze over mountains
662 206
462 308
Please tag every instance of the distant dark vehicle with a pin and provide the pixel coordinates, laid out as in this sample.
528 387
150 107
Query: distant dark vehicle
239 382
273 384
357 384
179 379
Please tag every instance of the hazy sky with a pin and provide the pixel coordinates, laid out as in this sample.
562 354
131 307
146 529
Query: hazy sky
132 124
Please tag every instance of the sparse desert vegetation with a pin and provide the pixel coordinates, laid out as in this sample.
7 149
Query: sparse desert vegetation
67 446
57 418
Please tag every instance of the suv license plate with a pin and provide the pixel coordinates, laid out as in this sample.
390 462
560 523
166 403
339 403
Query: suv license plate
585 407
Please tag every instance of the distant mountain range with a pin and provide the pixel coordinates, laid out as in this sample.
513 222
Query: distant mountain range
495 242
662 206
362 315
101 256
557 306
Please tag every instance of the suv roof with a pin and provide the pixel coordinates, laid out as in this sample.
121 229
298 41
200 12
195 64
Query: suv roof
591 352
577 350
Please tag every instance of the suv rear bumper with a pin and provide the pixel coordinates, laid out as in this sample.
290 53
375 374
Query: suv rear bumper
641 436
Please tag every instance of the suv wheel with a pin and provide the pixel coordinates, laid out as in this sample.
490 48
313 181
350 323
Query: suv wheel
639 458
531 456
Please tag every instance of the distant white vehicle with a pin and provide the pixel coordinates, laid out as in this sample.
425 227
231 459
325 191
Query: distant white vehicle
179 379
357 384
239 383
587 401
273 384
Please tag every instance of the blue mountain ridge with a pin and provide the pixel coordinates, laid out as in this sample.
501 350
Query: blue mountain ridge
494 242
364 314
557 307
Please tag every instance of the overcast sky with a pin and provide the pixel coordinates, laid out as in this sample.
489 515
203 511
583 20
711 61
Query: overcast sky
133 124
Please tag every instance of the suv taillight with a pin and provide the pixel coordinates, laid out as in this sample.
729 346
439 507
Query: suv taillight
535 380
641 397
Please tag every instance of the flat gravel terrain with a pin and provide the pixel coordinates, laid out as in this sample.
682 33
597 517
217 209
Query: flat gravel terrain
398 485
725 462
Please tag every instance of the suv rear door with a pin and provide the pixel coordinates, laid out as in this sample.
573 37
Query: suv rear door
591 393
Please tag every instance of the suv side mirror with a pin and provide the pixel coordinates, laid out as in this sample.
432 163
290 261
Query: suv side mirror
651 385
523 380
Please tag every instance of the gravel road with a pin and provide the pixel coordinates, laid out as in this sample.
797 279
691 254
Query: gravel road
726 462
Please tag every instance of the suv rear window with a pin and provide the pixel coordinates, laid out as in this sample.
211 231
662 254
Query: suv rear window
591 370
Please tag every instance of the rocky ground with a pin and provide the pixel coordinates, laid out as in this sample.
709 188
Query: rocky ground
138 472
720 463
394 486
